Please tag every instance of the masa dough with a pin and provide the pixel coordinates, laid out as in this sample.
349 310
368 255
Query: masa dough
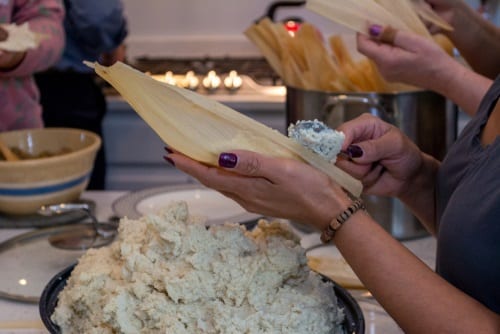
168 273
318 137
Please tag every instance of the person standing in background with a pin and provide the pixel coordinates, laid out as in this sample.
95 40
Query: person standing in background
19 95
436 70
70 96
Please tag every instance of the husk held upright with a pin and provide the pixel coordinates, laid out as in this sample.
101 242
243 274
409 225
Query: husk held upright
202 128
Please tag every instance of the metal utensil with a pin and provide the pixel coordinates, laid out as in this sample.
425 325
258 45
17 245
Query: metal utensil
83 235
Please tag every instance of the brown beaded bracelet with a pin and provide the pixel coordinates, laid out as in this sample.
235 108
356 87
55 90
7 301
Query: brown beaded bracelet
337 222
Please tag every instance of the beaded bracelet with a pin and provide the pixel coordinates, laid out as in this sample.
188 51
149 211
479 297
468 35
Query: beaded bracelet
337 222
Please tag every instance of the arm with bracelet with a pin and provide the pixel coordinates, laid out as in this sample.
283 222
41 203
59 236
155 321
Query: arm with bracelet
388 163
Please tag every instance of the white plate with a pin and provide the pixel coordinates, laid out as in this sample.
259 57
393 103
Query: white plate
202 202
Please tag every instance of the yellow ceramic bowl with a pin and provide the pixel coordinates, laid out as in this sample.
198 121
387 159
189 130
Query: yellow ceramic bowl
25 185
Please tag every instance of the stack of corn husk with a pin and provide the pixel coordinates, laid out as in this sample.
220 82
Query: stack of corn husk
304 61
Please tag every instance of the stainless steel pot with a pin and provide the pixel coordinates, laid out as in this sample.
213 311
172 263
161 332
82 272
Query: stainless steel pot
425 117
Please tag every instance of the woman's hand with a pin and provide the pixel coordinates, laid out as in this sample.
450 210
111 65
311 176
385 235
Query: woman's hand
10 60
383 158
118 54
444 8
410 58
390 164
275 187
418 61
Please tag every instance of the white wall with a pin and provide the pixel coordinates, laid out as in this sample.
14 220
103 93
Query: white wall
200 27
209 27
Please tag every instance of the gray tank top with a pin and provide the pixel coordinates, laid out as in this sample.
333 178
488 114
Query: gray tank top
468 211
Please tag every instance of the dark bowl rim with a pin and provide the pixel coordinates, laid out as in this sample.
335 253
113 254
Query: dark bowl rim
354 320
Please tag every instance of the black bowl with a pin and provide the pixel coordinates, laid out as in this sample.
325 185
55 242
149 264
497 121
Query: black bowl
354 322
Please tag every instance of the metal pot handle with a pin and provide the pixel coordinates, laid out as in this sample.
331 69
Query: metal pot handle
374 107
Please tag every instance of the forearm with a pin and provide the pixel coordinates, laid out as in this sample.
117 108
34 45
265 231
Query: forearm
476 39
419 194
419 300
464 87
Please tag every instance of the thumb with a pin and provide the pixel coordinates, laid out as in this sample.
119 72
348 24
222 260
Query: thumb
374 150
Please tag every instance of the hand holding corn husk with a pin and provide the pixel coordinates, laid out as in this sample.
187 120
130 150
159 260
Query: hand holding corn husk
404 15
303 60
202 128
18 38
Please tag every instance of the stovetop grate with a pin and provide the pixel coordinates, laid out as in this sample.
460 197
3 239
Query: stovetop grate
256 68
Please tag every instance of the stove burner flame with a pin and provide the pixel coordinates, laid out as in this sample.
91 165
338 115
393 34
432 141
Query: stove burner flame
233 81
212 81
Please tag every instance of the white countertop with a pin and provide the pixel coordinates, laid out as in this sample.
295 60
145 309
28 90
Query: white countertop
17 317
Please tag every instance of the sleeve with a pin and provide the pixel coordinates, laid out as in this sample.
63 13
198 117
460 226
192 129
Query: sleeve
46 17
97 26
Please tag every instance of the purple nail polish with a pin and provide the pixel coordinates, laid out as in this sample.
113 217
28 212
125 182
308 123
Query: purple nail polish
355 151
170 161
375 30
228 160
168 149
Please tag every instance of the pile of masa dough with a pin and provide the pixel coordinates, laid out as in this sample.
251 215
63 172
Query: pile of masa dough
168 273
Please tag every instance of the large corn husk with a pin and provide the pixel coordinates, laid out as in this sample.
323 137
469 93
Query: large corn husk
202 128
427 14
358 14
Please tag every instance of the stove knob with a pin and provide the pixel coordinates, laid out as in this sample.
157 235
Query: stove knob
233 81
169 78
212 81
190 81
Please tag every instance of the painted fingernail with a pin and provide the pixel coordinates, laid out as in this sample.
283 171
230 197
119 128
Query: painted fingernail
228 160
355 151
170 161
168 149
375 30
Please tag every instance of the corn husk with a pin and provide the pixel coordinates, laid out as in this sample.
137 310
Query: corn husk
405 15
302 60
427 14
356 15
202 128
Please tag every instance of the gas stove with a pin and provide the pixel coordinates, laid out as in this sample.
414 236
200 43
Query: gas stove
227 79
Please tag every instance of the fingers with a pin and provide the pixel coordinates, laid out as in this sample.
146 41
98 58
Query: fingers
384 34
234 165
362 128
252 164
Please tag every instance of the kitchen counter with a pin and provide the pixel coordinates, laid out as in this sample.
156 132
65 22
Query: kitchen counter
26 318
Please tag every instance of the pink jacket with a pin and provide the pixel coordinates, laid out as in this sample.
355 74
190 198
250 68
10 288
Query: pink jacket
19 97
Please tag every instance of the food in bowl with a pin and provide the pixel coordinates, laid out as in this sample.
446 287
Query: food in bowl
27 184
168 273
44 154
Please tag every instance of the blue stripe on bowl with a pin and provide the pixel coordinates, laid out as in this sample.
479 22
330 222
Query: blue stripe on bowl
44 189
